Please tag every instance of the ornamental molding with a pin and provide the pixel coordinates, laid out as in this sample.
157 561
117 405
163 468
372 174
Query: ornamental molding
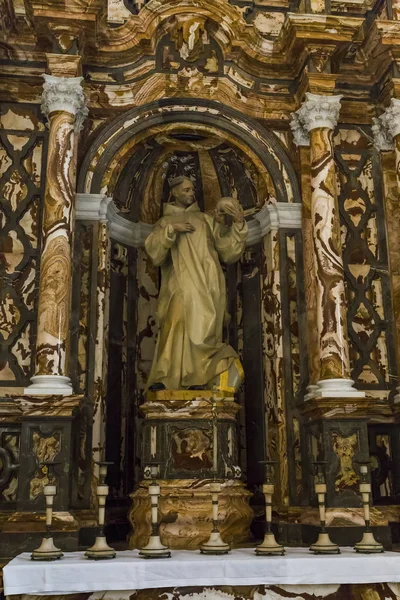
387 126
318 111
64 94
98 207
92 207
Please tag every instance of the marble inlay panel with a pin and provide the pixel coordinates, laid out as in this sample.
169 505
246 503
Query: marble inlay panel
22 145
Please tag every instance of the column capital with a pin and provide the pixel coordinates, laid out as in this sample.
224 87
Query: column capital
383 140
92 207
386 127
319 111
300 134
64 94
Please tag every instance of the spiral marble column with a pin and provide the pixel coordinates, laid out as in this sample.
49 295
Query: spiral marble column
318 117
64 104
386 131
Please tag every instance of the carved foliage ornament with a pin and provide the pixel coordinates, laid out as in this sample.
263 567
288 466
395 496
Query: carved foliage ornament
64 94
387 126
316 112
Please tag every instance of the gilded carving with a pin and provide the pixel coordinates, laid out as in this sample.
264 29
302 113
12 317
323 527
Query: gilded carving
45 449
345 447
191 448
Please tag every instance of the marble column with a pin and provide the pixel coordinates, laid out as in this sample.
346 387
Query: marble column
64 104
318 117
386 132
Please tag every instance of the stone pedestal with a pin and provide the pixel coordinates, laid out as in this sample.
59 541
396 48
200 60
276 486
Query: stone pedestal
185 513
193 436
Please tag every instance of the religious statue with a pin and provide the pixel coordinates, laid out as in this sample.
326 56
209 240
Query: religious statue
188 244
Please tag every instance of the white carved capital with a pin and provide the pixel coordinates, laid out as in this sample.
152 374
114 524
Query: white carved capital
319 111
272 217
383 140
391 117
300 134
92 207
386 127
65 94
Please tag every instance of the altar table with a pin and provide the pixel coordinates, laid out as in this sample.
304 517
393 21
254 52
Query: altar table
238 575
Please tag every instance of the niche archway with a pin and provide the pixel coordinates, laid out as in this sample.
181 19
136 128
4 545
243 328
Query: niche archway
130 160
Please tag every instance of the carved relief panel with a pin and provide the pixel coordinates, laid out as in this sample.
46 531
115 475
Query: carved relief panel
44 441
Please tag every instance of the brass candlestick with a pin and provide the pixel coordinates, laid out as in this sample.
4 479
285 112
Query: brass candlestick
47 550
269 546
154 548
100 549
215 544
323 545
368 543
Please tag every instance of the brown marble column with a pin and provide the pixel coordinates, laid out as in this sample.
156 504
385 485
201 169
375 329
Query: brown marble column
318 117
386 130
63 103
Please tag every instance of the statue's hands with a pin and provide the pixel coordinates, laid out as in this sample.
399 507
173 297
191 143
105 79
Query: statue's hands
228 210
183 227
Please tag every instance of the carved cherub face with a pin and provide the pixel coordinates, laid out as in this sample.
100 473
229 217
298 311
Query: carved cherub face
184 193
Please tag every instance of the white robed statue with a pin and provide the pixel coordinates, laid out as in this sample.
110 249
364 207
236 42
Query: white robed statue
188 246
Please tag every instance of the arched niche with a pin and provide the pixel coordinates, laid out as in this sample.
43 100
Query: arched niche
116 144
130 161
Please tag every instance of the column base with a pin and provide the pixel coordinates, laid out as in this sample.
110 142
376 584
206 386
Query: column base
312 391
49 385
338 388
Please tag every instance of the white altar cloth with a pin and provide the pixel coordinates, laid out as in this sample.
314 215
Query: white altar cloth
74 573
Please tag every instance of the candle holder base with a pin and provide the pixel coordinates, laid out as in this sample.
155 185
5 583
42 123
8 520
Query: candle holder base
155 549
47 551
368 544
100 550
269 546
324 545
215 545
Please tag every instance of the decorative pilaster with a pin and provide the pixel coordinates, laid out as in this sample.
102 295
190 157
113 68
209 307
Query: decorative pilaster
386 131
63 103
318 116
95 208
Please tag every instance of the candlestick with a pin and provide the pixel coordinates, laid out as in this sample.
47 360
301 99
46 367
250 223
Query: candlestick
100 549
269 546
215 544
47 550
323 545
368 543
154 548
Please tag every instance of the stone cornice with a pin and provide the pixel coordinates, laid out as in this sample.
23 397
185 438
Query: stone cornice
273 217
97 207
92 207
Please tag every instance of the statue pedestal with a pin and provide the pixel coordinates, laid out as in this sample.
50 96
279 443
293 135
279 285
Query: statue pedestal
193 435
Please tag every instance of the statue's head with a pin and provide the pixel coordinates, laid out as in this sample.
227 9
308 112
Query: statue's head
182 190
